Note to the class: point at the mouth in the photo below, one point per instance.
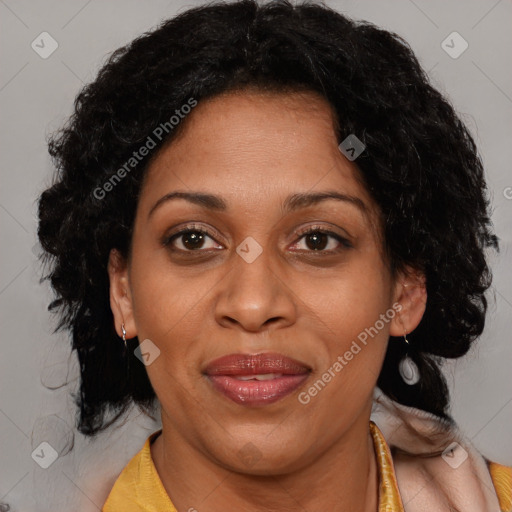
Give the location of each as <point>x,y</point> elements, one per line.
<point>258,379</point>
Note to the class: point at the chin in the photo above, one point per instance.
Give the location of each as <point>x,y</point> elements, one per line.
<point>268,465</point>
<point>256,455</point>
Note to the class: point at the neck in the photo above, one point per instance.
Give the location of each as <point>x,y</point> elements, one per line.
<point>344,478</point>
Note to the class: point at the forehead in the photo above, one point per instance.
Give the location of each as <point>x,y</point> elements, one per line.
<point>252,148</point>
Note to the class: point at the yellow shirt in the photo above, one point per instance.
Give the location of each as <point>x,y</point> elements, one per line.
<point>139,488</point>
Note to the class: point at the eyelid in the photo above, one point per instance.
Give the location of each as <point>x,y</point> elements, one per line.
<point>316,228</point>
<point>300,233</point>
<point>181,230</point>
<point>319,227</point>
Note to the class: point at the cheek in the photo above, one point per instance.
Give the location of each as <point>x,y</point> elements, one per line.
<point>164,300</point>
<point>352,351</point>
<point>349,300</point>
<point>167,310</point>
<point>352,314</point>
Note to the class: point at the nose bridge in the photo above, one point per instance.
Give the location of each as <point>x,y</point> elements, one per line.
<point>253,269</point>
<point>253,293</point>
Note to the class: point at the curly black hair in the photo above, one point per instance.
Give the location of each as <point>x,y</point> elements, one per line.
<point>420,165</point>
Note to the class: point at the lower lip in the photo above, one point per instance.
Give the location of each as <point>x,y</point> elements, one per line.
<point>257,392</point>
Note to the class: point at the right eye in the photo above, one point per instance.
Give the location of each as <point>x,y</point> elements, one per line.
<point>190,239</point>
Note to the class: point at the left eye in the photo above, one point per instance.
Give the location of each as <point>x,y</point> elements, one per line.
<point>318,240</point>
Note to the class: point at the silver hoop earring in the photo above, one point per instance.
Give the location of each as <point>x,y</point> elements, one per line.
<point>124,336</point>
<point>408,369</point>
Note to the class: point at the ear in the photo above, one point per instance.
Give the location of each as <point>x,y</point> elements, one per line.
<point>120,294</point>
<point>411,293</point>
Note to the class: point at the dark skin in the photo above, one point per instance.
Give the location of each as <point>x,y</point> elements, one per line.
<point>200,303</point>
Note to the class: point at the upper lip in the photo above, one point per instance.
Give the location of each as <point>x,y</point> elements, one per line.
<point>254,364</point>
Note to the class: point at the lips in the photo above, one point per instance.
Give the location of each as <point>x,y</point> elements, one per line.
<point>256,379</point>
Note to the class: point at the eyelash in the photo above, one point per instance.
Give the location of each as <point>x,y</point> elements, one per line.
<point>167,241</point>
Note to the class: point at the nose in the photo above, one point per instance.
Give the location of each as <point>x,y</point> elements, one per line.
<point>255,296</point>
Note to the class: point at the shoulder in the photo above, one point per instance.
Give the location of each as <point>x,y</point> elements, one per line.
<point>139,488</point>
<point>124,495</point>
<point>436,467</point>
<point>502,479</point>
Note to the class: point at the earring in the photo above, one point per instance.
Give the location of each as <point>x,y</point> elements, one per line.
<point>124,336</point>
<point>408,369</point>
<point>125,355</point>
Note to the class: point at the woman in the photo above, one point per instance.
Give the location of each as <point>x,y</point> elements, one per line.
<point>267,218</point>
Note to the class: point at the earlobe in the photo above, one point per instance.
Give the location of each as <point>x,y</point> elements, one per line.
<point>120,294</point>
<point>411,294</point>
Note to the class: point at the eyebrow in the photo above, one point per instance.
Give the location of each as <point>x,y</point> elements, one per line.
<point>292,203</point>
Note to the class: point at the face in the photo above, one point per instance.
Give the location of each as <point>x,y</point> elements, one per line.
<point>282,258</point>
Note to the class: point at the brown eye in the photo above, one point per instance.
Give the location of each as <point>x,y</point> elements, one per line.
<point>193,240</point>
<point>321,240</point>
<point>190,240</point>
<point>316,241</point>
